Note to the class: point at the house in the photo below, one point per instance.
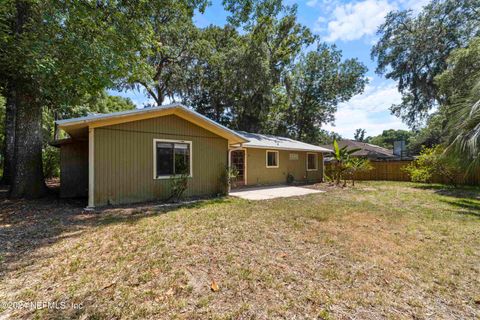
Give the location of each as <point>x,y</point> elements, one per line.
<point>367,150</point>
<point>131,156</point>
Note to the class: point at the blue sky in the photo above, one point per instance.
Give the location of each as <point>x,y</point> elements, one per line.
<point>351,26</point>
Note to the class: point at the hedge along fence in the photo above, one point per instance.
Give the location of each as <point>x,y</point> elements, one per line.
<point>393,171</point>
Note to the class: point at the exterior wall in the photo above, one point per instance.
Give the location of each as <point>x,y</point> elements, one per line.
<point>123,160</point>
<point>74,169</point>
<point>259,174</point>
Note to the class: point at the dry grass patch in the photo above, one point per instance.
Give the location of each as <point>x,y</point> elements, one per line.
<point>379,250</point>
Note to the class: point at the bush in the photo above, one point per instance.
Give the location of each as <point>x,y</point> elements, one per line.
<point>356,165</point>
<point>227,179</point>
<point>290,178</point>
<point>178,186</point>
<point>432,162</point>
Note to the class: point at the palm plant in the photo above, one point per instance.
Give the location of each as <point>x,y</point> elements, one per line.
<point>465,123</point>
<point>356,165</point>
<point>341,157</point>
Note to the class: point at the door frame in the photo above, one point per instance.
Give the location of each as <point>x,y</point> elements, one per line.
<point>244,162</point>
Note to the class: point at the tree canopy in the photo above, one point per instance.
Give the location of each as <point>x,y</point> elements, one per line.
<point>388,137</point>
<point>413,50</point>
<point>256,73</point>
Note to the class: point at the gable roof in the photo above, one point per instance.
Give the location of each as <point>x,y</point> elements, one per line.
<point>367,149</point>
<point>263,141</point>
<point>77,127</point>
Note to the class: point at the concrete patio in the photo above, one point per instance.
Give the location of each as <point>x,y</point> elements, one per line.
<point>272,192</point>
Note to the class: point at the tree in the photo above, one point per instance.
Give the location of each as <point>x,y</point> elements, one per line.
<point>211,86</point>
<point>236,76</point>
<point>325,137</point>
<point>356,165</point>
<point>462,104</point>
<point>341,157</point>
<point>53,53</point>
<point>273,41</point>
<point>413,50</point>
<point>163,71</point>
<point>319,81</point>
<point>359,135</point>
<point>435,132</point>
<point>388,137</point>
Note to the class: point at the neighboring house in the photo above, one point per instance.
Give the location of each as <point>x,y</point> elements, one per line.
<point>367,150</point>
<point>130,156</point>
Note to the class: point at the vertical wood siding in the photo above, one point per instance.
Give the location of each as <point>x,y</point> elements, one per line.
<point>124,160</point>
<point>259,174</point>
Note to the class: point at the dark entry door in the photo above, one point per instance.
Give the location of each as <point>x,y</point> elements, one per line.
<point>238,162</point>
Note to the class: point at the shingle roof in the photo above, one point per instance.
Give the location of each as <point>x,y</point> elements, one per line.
<point>264,141</point>
<point>367,149</point>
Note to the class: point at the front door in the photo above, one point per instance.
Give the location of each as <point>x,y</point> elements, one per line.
<point>238,162</point>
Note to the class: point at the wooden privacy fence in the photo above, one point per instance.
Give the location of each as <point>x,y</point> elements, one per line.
<point>393,171</point>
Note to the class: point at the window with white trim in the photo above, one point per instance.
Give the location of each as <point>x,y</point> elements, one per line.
<point>172,158</point>
<point>312,161</point>
<point>272,159</point>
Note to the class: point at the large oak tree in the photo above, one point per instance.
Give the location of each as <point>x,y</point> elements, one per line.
<point>413,50</point>
<point>53,53</point>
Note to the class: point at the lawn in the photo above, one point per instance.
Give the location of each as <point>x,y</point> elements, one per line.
<point>379,250</point>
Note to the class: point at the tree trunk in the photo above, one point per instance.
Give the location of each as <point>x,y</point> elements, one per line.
<point>9,147</point>
<point>27,179</point>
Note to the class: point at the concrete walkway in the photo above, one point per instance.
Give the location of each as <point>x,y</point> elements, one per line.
<point>264,193</point>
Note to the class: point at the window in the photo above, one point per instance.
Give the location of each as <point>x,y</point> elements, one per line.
<point>272,159</point>
<point>312,161</point>
<point>293,156</point>
<point>172,158</point>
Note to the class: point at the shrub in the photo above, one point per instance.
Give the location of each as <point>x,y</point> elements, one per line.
<point>290,178</point>
<point>341,157</point>
<point>178,186</point>
<point>432,162</point>
<point>356,165</point>
<point>227,178</point>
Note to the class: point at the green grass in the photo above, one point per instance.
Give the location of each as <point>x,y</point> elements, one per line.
<point>379,250</point>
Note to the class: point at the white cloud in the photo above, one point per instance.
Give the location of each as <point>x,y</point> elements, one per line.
<point>312,3</point>
<point>356,20</point>
<point>414,5</point>
<point>369,111</point>
<point>353,21</point>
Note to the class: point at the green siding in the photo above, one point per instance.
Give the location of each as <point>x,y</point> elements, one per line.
<point>259,174</point>
<point>124,160</point>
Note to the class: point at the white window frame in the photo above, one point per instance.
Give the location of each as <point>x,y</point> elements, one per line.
<point>266,159</point>
<point>316,161</point>
<point>155,158</point>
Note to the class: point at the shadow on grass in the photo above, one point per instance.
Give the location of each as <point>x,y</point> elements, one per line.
<point>472,192</point>
<point>467,206</point>
<point>132,213</point>
<point>465,198</point>
<point>28,225</point>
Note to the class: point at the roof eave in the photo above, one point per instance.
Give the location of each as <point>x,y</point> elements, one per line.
<point>230,135</point>
<point>285,148</point>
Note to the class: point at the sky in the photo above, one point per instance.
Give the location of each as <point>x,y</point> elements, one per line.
<point>351,26</point>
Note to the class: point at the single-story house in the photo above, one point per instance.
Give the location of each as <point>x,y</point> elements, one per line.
<point>369,151</point>
<point>130,156</point>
